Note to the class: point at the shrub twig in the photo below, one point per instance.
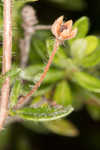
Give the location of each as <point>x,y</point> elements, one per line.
<point>24,100</point>
<point>6,66</point>
<point>29,26</point>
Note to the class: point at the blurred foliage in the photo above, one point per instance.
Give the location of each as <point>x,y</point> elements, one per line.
<point>62,127</point>
<point>69,4</point>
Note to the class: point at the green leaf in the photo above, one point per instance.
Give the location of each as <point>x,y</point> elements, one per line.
<point>78,48</point>
<point>70,66</point>
<point>87,81</point>
<point>33,73</point>
<point>15,92</point>
<point>60,55</point>
<point>91,60</point>
<point>54,75</point>
<point>84,47</point>
<point>77,96</point>
<point>92,43</point>
<point>62,94</point>
<point>41,91</point>
<point>45,113</point>
<point>62,127</point>
<point>30,72</point>
<point>82,26</point>
<point>37,127</point>
<point>94,111</point>
<point>39,53</point>
<point>92,97</point>
<point>13,72</point>
<point>40,48</point>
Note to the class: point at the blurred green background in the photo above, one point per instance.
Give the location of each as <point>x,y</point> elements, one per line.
<point>17,136</point>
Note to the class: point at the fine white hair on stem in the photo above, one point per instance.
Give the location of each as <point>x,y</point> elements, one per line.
<point>6,66</point>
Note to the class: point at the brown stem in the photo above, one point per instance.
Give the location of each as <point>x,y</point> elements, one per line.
<point>7,45</point>
<point>25,42</point>
<point>24,49</point>
<point>29,26</point>
<point>24,100</point>
<point>42,27</point>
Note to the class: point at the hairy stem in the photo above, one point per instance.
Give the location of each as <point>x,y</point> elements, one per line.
<point>24,49</point>
<point>6,66</point>
<point>42,27</point>
<point>29,26</point>
<point>24,43</point>
<point>24,100</point>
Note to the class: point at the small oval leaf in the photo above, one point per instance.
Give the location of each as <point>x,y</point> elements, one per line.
<point>87,81</point>
<point>62,94</point>
<point>92,43</point>
<point>45,113</point>
<point>15,92</point>
<point>33,73</point>
<point>62,127</point>
<point>82,26</point>
<point>94,111</point>
<point>78,48</point>
<point>91,60</point>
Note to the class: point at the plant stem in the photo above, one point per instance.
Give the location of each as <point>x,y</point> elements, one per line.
<point>42,27</point>
<point>24,49</point>
<point>26,41</point>
<point>29,26</point>
<point>6,66</point>
<point>24,100</point>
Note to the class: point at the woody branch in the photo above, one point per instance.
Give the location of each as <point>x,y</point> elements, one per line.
<point>6,66</point>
